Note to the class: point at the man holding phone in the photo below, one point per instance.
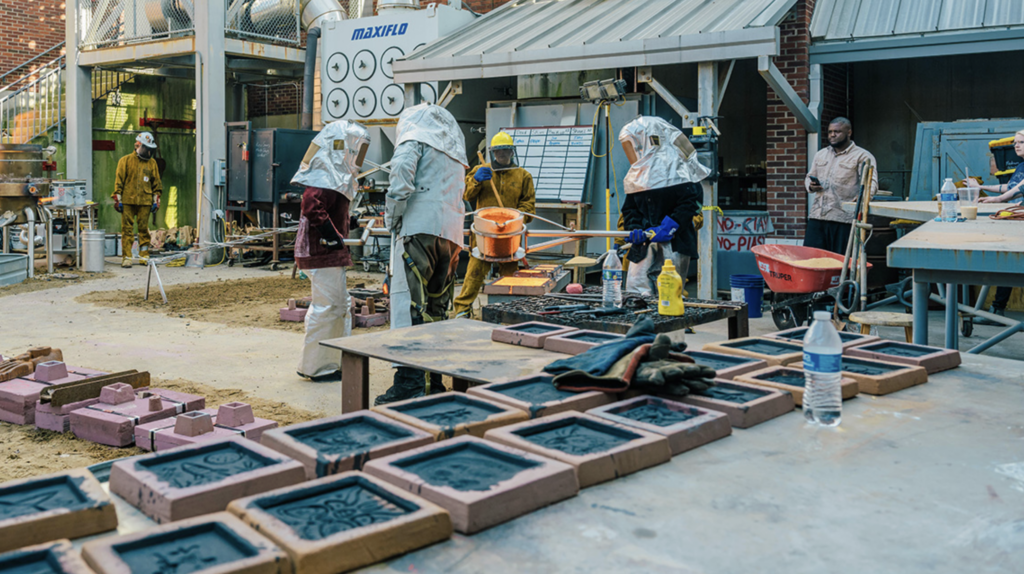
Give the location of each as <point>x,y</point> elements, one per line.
<point>834,179</point>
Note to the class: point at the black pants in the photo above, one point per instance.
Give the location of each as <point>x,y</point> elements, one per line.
<point>1002,298</point>
<point>828,235</point>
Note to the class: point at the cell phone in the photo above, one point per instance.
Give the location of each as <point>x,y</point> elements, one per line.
<point>814,180</point>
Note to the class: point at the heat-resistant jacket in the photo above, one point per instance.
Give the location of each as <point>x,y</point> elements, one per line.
<point>136,180</point>
<point>321,206</point>
<point>425,193</point>
<point>514,185</point>
<point>646,209</point>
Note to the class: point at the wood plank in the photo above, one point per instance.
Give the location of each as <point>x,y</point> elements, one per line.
<point>65,393</point>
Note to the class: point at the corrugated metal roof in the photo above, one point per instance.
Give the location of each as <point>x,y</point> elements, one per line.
<point>528,32</point>
<point>844,20</point>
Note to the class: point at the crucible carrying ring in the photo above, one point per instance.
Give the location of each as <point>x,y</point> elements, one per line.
<point>498,245</point>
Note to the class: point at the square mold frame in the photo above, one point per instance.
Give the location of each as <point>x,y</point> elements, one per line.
<point>224,469</point>
<point>629,449</point>
<point>68,504</point>
<point>848,387</point>
<point>893,376</point>
<point>57,557</point>
<point>574,343</point>
<point>350,520</point>
<point>448,474</point>
<point>221,540</point>
<point>437,414</point>
<point>793,353</point>
<point>529,334</point>
<point>685,426</point>
<point>344,442</point>
<point>933,359</point>
<point>763,403</point>
<point>538,396</point>
<point>736,365</point>
<point>849,340</point>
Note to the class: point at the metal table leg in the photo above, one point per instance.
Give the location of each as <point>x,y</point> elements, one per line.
<point>355,382</point>
<point>739,323</point>
<point>952,333</point>
<point>920,312</point>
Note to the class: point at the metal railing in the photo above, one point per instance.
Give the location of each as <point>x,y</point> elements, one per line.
<point>108,23</point>
<point>34,108</point>
<point>274,21</point>
<point>24,72</point>
<point>117,22</point>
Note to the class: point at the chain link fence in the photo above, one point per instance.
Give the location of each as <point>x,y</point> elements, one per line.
<point>274,21</point>
<point>106,23</point>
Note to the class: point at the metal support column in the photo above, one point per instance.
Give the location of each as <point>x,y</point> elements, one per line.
<point>211,112</point>
<point>707,96</point>
<point>920,312</point>
<point>78,91</point>
<point>952,331</point>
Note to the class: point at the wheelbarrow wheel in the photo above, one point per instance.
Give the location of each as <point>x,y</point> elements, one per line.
<point>784,318</point>
<point>966,326</point>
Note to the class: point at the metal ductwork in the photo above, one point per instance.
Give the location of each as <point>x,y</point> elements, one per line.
<point>316,12</point>
<point>386,6</point>
<point>178,14</point>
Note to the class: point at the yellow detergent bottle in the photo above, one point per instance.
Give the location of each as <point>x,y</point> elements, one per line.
<point>670,291</point>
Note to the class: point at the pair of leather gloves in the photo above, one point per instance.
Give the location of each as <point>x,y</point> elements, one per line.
<point>660,234</point>
<point>659,372</point>
<point>119,207</point>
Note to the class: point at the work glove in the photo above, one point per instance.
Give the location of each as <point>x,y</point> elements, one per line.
<point>660,374</point>
<point>117,203</point>
<point>483,174</point>
<point>156,204</point>
<point>637,237</point>
<point>329,237</point>
<point>664,232</point>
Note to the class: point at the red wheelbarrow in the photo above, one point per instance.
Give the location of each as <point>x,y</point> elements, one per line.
<point>797,283</point>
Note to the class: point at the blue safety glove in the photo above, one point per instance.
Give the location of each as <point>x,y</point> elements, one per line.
<point>664,232</point>
<point>483,174</point>
<point>637,237</point>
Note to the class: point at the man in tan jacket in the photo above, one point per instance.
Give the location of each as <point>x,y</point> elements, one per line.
<point>137,190</point>
<point>834,179</point>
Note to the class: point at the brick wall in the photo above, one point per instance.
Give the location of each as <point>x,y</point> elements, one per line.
<point>483,6</point>
<point>787,139</point>
<point>274,99</point>
<point>28,28</point>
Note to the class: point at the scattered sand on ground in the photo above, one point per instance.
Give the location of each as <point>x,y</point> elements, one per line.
<point>43,281</point>
<point>235,302</point>
<point>27,451</point>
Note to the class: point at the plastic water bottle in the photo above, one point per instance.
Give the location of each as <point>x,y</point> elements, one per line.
<point>823,353</point>
<point>948,199</point>
<point>611,280</point>
<point>135,249</point>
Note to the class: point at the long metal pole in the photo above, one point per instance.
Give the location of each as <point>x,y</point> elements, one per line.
<point>920,312</point>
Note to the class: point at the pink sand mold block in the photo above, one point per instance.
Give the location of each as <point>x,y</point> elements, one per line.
<point>54,373</point>
<point>529,334</point>
<point>538,396</point>
<point>112,420</point>
<point>200,426</point>
<point>686,426</point>
<point>849,340</point>
<point>343,522</point>
<point>727,366</point>
<point>201,478</point>
<point>18,398</point>
<point>57,557</point>
<point>344,442</point>
<point>67,504</point>
<point>746,405</point>
<point>58,419</point>
<point>480,483</point>
<point>214,544</point>
<point>86,372</point>
<point>599,449</point>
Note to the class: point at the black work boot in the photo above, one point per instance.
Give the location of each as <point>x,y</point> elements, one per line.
<point>409,383</point>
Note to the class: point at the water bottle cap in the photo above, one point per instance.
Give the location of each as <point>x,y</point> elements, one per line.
<point>822,316</point>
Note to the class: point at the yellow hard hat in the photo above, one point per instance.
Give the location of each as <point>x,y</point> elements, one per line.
<point>502,141</point>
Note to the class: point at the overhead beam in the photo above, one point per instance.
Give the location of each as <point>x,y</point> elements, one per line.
<point>645,76</point>
<point>261,51</point>
<point>771,74</point>
<point>102,57</point>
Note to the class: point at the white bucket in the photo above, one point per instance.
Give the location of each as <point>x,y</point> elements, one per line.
<point>92,250</point>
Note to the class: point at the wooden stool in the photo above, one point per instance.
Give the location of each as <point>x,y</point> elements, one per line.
<point>868,319</point>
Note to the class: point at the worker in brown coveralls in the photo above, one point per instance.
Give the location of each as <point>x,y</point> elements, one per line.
<point>137,190</point>
<point>515,185</point>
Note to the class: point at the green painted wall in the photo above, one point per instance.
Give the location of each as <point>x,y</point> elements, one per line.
<point>117,120</point>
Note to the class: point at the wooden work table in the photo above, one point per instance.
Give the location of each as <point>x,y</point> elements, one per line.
<point>918,210</point>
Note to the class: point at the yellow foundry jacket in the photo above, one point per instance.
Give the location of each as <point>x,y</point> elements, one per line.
<point>514,185</point>
<point>137,180</point>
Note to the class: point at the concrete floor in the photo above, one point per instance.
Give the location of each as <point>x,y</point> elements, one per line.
<point>929,479</point>
<point>259,361</point>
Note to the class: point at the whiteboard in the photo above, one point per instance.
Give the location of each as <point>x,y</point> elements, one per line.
<point>558,159</point>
